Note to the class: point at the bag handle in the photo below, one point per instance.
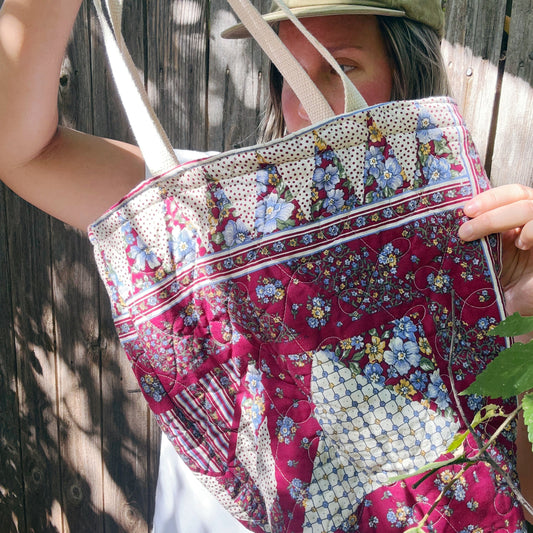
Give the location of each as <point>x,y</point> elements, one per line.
<point>312,100</point>
<point>157,151</point>
<point>153,142</point>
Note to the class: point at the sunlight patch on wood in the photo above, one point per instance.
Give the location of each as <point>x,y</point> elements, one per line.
<point>513,152</point>
<point>473,83</point>
<point>186,12</point>
<point>57,517</point>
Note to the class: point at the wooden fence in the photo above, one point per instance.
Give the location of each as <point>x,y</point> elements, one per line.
<point>78,449</point>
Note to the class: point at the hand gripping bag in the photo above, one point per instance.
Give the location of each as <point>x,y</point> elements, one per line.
<point>296,312</point>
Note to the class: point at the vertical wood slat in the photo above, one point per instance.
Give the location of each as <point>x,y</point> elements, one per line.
<point>30,268</point>
<point>76,312</point>
<point>513,152</point>
<point>176,69</point>
<point>61,470</point>
<point>471,51</point>
<point>238,74</point>
<point>125,431</point>
<point>12,498</point>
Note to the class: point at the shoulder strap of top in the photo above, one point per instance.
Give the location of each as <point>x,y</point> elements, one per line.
<point>155,146</point>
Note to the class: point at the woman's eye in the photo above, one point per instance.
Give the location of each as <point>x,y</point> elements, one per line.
<point>347,68</point>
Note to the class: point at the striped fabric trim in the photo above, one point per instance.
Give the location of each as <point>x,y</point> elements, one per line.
<point>320,226</point>
<point>202,422</point>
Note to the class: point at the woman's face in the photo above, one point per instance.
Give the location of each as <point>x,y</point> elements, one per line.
<point>355,41</point>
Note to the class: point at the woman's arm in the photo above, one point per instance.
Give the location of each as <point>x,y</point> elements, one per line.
<point>70,175</point>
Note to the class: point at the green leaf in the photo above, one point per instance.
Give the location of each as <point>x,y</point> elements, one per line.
<point>344,355</point>
<point>369,181</point>
<point>426,364</point>
<point>358,356</point>
<point>430,467</point>
<point>423,157</point>
<point>284,192</point>
<point>441,148</point>
<point>284,224</point>
<point>513,325</point>
<point>355,369</point>
<point>218,237</point>
<point>527,404</point>
<point>457,441</point>
<point>489,411</point>
<point>416,529</point>
<point>511,373</point>
<point>368,198</point>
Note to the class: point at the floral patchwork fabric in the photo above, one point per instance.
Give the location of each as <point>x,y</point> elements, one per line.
<point>297,314</point>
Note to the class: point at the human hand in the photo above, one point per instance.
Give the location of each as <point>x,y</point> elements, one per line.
<point>507,210</point>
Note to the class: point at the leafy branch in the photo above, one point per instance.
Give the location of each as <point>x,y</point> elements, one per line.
<point>510,374</point>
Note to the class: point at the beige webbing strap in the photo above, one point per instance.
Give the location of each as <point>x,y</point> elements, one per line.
<point>290,69</point>
<point>353,100</point>
<point>153,142</point>
<point>155,146</point>
<point>312,100</point>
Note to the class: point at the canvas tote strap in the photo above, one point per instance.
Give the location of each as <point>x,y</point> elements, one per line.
<point>290,69</point>
<point>153,142</point>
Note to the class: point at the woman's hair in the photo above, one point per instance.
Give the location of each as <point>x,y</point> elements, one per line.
<point>417,70</point>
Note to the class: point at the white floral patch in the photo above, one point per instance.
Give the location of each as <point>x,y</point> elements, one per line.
<point>254,446</point>
<point>369,434</point>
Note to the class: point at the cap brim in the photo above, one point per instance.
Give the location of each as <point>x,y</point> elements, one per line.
<point>240,32</point>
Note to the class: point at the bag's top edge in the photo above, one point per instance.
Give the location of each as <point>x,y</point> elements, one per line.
<point>309,130</point>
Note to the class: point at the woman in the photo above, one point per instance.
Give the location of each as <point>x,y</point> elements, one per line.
<point>77,177</point>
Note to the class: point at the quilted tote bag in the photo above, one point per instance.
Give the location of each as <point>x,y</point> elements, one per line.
<point>295,313</point>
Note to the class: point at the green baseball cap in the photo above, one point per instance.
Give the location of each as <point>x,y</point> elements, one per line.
<point>427,12</point>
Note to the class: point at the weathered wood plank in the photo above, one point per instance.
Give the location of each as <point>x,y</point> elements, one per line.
<point>29,436</point>
<point>176,69</point>
<point>78,380</point>
<point>238,82</point>
<point>513,153</point>
<point>12,495</point>
<point>12,511</point>
<point>28,237</point>
<point>55,329</point>
<point>471,50</point>
<point>75,288</point>
<point>125,428</point>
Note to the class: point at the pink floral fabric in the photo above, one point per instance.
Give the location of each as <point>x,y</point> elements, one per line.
<point>289,312</point>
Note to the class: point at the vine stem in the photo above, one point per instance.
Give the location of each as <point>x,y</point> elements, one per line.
<point>443,492</point>
<point>497,433</point>
<point>482,453</point>
<point>455,394</point>
<point>510,482</point>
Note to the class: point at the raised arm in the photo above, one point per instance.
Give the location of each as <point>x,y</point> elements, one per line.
<point>73,176</point>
